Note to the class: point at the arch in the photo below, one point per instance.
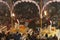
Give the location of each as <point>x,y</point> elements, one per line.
<point>5,12</point>
<point>49,3</point>
<point>30,1</point>
<point>5,4</point>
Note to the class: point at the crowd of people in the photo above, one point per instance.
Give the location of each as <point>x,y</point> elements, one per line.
<point>31,17</point>
<point>19,36</point>
<point>30,34</point>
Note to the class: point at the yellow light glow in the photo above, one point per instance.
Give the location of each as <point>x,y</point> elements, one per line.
<point>12,15</point>
<point>45,13</point>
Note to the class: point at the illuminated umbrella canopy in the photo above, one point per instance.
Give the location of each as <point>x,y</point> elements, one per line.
<point>27,10</point>
<point>24,9</point>
<point>51,11</point>
<point>4,13</point>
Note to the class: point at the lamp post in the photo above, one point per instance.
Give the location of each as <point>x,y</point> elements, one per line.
<point>12,17</point>
<point>40,17</point>
<point>41,12</point>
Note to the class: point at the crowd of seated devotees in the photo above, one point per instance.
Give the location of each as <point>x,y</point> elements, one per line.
<point>18,36</point>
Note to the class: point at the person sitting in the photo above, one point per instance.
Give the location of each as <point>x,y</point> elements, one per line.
<point>17,36</point>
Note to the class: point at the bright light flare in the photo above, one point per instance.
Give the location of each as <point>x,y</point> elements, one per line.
<point>12,15</point>
<point>45,13</point>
